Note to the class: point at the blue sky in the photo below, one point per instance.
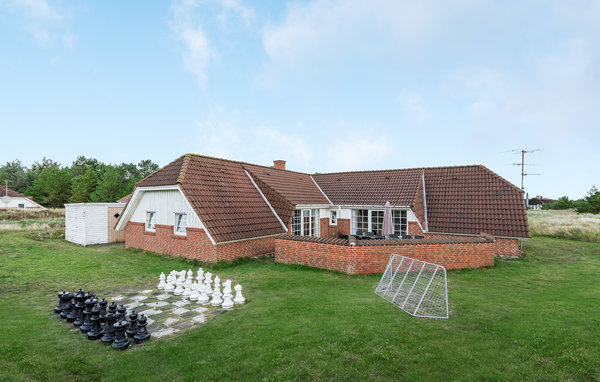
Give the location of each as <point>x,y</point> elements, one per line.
<point>325,85</point>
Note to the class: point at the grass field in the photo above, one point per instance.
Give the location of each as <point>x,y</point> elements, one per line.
<point>537,318</point>
<point>28,220</point>
<point>564,224</point>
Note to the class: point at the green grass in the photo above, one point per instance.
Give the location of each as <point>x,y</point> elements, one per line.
<point>564,224</point>
<point>537,318</point>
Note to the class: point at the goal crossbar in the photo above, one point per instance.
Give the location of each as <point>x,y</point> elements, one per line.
<point>415,286</point>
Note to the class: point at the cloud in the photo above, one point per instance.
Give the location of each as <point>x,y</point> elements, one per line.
<point>356,150</point>
<point>39,9</point>
<point>236,8</point>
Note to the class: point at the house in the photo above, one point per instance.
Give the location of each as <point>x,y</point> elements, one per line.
<point>216,209</point>
<point>93,223</point>
<point>14,199</point>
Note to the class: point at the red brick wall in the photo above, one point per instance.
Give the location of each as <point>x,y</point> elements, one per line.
<point>373,258</point>
<point>503,246</point>
<point>414,229</point>
<point>194,245</point>
<point>327,230</point>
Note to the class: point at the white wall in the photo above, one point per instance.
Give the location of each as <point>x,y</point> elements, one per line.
<point>87,223</point>
<point>14,203</point>
<point>166,203</point>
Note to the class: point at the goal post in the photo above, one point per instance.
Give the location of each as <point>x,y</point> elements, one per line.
<point>415,286</point>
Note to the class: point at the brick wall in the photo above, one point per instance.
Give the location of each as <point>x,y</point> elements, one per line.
<point>194,245</point>
<point>502,246</point>
<point>365,259</point>
<point>327,230</point>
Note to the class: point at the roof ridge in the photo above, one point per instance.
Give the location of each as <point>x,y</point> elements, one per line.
<point>501,178</point>
<point>396,169</point>
<point>245,163</point>
<point>149,175</point>
<point>184,167</point>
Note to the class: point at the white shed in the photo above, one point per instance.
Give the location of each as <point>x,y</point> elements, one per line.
<point>93,223</point>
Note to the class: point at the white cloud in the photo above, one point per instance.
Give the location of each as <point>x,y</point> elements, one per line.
<point>357,150</point>
<point>414,107</point>
<point>39,9</point>
<point>237,8</point>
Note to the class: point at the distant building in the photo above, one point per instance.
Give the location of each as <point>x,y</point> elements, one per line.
<point>537,202</point>
<point>13,199</point>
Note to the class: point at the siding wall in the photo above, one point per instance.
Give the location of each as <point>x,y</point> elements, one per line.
<point>88,223</point>
<point>165,203</point>
<point>75,223</point>
<point>14,203</point>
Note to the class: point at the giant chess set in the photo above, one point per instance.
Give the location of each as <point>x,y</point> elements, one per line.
<point>112,325</point>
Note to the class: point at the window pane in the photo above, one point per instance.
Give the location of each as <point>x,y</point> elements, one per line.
<point>400,222</point>
<point>377,222</point>
<point>296,223</point>
<point>362,220</point>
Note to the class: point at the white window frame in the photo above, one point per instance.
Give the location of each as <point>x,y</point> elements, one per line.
<point>21,205</point>
<point>176,227</point>
<point>333,217</point>
<point>150,219</point>
<point>309,228</point>
<point>354,221</point>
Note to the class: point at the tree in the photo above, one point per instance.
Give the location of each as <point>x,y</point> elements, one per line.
<point>591,203</point>
<point>82,164</point>
<point>37,168</point>
<point>16,174</point>
<point>145,168</point>
<point>561,204</point>
<point>52,187</point>
<point>112,185</point>
<point>83,186</point>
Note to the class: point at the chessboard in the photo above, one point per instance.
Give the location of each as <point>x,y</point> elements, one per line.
<point>167,314</point>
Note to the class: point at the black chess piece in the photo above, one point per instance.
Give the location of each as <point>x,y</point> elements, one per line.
<point>80,305</point>
<point>121,340</point>
<point>133,328</point>
<point>142,334</point>
<point>102,304</point>
<point>87,314</point>
<point>67,305</point>
<point>59,307</point>
<point>109,330</point>
<point>122,311</point>
<point>96,331</point>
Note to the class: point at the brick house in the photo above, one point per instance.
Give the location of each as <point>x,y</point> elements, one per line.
<point>213,209</point>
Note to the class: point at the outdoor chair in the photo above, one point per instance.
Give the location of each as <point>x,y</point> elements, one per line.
<point>370,234</point>
<point>359,233</point>
<point>406,237</point>
<point>394,236</point>
<point>419,237</point>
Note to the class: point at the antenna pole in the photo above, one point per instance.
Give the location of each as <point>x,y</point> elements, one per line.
<point>522,168</point>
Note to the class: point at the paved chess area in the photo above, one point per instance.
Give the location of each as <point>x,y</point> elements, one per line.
<point>167,314</point>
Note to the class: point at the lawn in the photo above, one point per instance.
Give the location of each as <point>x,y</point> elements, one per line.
<point>537,318</point>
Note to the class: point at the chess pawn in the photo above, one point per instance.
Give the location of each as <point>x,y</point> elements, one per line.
<point>208,289</point>
<point>200,276</point>
<point>216,297</point>
<point>187,291</point>
<point>58,307</point>
<point>179,289</point>
<point>203,298</point>
<point>133,328</point>
<point>227,302</point>
<point>217,281</point>
<point>208,278</point>
<point>72,316</point>
<point>87,314</point>
<point>161,284</point>
<point>109,330</point>
<point>121,341</point>
<point>102,304</point>
<point>189,281</point>
<point>142,334</point>
<point>239,299</point>
<point>96,331</point>
<point>170,286</point>
<point>195,292</point>
<point>80,305</point>
<point>190,274</point>
<point>67,305</point>
<point>122,313</point>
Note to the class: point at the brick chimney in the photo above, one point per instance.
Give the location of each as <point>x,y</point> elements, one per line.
<point>280,164</point>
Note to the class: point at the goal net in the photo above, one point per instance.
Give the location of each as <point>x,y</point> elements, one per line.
<point>417,287</point>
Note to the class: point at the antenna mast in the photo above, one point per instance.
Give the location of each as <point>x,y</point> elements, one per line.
<point>523,164</point>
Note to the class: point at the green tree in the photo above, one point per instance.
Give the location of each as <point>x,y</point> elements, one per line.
<point>112,185</point>
<point>82,164</point>
<point>16,174</point>
<point>145,168</point>
<point>52,187</point>
<point>83,186</point>
<point>591,203</point>
<point>561,204</point>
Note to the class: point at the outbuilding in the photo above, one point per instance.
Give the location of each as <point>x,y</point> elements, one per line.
<point>93,223</point>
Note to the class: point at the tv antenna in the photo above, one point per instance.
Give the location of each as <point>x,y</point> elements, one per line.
<point>523,151</point>
<point>6,198</point>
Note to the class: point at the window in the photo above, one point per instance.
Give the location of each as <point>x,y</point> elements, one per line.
<point>333,217</point>
<point>305,222</point>
<point>400,222</point>
<point>372,221</point>
<point>21,205</point>
<point>150,220</point>
<point>180,223</point>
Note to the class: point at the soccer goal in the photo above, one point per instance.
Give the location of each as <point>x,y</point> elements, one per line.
<point>417,287</point>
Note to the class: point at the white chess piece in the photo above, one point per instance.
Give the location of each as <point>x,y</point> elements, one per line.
<point>170,286</point>
<point>207,289</point>
<point>239,299</point>
<point>187,291</point>
<point>179,288</point>
<point>216,297</point>
<point>190,274</point>
<point>227,289</point>
<point>200,276</point>
<point>227,302</point>
<point>203,298</point>
<point>208,278</point>
<point>161,284</point>
<point>195,292</point>
<point>189,281</point>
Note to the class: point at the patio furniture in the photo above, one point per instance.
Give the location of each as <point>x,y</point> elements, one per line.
<point>419,237</point>
<point>359,233</point>
<point>394,236</point>
<point>406,237</point>
<point>370,234</point>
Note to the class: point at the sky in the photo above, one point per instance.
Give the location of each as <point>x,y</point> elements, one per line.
<point>325,85</point>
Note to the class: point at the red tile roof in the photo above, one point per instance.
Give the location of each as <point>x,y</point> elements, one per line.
<point>125,198</point>
<point>462,199</point>
<point>11,193</point>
